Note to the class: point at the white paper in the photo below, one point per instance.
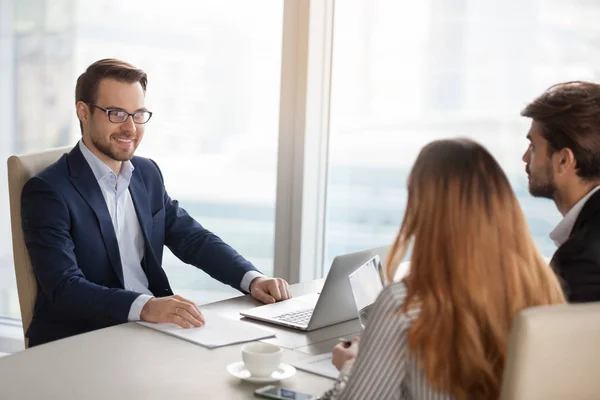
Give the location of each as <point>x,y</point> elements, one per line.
<point>217,332</point>
<point>318,365</point>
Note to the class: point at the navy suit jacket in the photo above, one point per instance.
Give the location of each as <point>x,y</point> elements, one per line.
<point>73,247</point>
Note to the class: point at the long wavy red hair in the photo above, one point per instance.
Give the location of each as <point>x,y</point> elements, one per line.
<point>474,267</point>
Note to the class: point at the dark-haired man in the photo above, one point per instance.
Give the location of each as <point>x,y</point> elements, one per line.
<point>96,222</point>
<point>563,164</point>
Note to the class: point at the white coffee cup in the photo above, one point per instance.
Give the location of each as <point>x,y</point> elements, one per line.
<point>261,359</point>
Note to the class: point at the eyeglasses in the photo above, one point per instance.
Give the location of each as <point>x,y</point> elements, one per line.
<point>118,116</point>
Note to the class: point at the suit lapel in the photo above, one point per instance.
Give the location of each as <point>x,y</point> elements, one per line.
<point>141,203</point>
<point>84,181</point>
<point>591,207</point>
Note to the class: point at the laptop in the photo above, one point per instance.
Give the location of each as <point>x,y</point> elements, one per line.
<point>333,305</point>
<point>366,285</point>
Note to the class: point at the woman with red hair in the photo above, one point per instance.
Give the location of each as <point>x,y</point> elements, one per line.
<point>442,332</point>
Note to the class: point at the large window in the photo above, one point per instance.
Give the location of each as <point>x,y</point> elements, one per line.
<point>407,72</point>
<point>214,77</point>
<point>404,73</point>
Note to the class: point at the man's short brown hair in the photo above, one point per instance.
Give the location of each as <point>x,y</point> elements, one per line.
<point>86,89</point>
<point>569,116</point>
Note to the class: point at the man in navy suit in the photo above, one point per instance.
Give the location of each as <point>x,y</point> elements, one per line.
<point>96,221</point>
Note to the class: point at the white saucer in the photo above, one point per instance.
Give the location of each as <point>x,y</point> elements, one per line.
<point>238,369</point>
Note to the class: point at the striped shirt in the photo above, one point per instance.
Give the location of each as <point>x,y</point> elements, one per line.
<point>385,369</point>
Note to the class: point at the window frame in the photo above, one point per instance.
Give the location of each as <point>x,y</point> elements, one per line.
<point>303,146</point>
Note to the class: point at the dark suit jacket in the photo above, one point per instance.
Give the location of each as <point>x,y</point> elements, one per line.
<point>71,240</point>
<point>577,261</point>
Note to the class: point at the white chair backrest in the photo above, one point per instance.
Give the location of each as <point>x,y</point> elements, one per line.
<point>554,353</point>
<point>20,169</point>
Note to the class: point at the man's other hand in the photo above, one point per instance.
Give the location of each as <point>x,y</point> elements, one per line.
<point>270,290</point>
<point>173,309</point>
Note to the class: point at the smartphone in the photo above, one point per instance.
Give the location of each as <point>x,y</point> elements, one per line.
<point>274,392</point>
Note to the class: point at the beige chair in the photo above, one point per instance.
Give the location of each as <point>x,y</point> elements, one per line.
<point>20,169</point>
<point>554,353</point>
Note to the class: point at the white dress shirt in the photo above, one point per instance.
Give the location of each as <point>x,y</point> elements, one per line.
<point>561,233</point>
<point>128,231</point>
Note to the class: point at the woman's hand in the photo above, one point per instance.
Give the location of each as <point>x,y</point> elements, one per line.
<point>343,353</point>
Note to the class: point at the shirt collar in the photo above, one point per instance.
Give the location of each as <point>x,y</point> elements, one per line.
<point>100,169</point>
<point>561,233</point>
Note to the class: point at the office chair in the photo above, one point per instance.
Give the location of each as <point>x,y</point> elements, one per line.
<point>20,169</point>
<point>553,354</point>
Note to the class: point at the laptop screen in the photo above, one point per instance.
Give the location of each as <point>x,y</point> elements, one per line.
<point>366,285</point>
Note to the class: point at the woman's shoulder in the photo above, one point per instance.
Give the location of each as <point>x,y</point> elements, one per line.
<point>392,299</point>
<point>394,293</point>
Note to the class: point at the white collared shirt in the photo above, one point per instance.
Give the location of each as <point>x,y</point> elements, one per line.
<point>561,233</point>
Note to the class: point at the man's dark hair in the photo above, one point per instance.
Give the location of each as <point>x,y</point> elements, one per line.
<point>86,89</point>
<point>569,116</point>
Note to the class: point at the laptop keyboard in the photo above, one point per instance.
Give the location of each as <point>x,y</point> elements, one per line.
<point>300,317</point>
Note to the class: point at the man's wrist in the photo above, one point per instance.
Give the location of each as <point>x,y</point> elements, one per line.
<point>248,278</point>
<point>255,280</point>
<point>138,306</point>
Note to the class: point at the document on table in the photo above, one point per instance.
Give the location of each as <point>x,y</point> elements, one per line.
<point>217,332</point>
<point>318,365</point>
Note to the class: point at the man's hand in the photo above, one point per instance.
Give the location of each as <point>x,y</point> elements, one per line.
<point>270,290</point>
<point>173,309</point>
<point>342,354</point>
